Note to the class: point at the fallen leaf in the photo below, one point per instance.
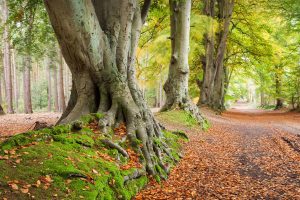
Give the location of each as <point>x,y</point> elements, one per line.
<point>95,171</point>
<point>24,190</point>
<point>14,186</point>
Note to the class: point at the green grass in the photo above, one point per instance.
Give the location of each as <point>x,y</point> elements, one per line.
<point>183,118</point>
<point>71,160</point>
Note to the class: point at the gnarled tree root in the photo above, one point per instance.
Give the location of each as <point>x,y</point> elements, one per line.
<point>113,145</point>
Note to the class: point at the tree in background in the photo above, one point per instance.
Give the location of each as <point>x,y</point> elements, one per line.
<point>176,86</point>
<point>6,60</point>
<point>212,86</point>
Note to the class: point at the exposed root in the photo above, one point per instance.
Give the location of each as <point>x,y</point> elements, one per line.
<point>181,134</point>
<point>136,174</point>
<point>113,145</point>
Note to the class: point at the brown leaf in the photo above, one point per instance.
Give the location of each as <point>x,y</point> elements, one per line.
<point>14,186</point>
<point>24,190</point>
<point>95,171</point>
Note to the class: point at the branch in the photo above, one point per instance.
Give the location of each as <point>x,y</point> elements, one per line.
<point>145,10</point>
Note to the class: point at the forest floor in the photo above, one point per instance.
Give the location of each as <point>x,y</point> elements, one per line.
<point>18,123</point>
<point>246,154</point>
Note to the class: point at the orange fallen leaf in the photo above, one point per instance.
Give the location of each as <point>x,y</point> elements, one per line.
<point>14,186</point>
<point>24,190</point>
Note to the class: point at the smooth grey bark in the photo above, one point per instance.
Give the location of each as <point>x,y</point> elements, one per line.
<point>213,85</point>
<point>27,85</point>
<point>98,40</point>
<point>206,85</point>
<point>176,86</point>
<point>7,62</point>
<point>225,13</point>
<point>61,93</point>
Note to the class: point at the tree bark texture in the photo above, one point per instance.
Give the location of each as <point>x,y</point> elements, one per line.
<point>48,69</point>
<point>206,86</point>
<point>61,93</point>
<point>98,40</point>
<point>7,62</point>
<point>176,86</point>
<point>27,85</point>
<point>213,89</point>
<point>55,90</point>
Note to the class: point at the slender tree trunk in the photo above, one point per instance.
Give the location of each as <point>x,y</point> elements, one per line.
<point>99,40</point>
<point>176,86</point>
<point>278,87</point>
<point>15,75</point>
<point>48,69</point>
<point>7,62</point>
<point>27,85</point>
<point>206,86</point>
<point>55,91</point>
<point>61,94</point>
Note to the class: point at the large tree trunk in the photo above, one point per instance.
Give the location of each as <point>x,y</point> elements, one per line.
<point>27,85</point>
<point>206,86</point>
<point>7,62</point>
<point>98,40</point>
<point>61,94</point>
<point>176,86</point>
<point>213,89</point>
<point>225,13</point>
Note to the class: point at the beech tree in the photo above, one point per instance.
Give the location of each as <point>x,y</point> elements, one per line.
<point>176,86</point>
<point>98,40</point>
<point>7,61</point>
<point>212,85</point>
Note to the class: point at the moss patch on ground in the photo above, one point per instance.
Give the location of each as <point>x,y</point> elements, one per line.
<point>183,118</point>
<point>57,163</point>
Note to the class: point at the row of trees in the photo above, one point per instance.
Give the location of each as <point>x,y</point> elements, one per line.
<point>34,75</point>
<point>231,42</point>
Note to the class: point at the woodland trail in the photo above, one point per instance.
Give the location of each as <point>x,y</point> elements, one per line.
<point>244,155</point>
<point>11,124</point>
<point>249,154</point>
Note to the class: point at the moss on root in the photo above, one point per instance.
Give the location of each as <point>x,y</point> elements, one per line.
<point>78,164</point>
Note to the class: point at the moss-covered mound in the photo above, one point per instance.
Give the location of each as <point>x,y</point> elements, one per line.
<point>73,162</point>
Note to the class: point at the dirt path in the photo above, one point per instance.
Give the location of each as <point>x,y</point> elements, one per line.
<point>18,123</point>
<point>245,155</point>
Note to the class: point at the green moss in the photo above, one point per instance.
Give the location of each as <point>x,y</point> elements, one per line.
<point>183,118</point>
<point>178,116</point>
<point>72,162</point>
